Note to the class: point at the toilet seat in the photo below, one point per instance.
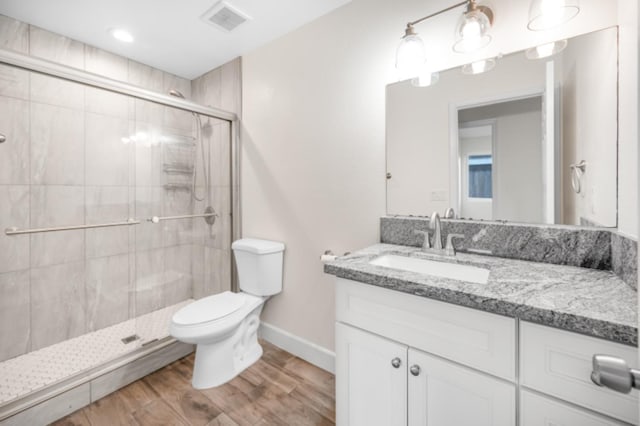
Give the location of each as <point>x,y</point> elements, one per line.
<point>211,308</point>
<point>213,325</point>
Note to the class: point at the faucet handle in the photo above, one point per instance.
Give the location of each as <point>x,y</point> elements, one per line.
<point>449,249</point>
<point>425,244</point>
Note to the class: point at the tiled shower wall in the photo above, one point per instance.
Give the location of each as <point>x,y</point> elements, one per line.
<point>67,161</point>
<point>219,88</point>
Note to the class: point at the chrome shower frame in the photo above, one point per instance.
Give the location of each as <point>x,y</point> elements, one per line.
<point>48,68</point>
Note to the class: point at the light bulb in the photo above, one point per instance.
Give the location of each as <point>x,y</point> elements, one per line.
<point>472,30</point>
<point>552,12</point>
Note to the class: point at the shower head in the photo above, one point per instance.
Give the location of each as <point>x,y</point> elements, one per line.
<point>176,93</point>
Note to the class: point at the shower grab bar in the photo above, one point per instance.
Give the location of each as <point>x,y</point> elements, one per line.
<point>16,231</point>
<point>156,219</point>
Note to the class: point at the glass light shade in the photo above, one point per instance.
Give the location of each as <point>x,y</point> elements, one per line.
<point>411,57</point>
<point>546,50</point>
<point>547,14</point>
<point>478,67</point>
<point>425,79</point>
<point>472,31</point>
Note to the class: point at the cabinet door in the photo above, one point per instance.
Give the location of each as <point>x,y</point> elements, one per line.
<point>447,394</point>
<point>537,410</point>
<point>370,390</point>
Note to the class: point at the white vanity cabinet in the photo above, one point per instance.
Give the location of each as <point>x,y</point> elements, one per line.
<point>390,368</point>
<point>407,360</point>
<point>381,382</point>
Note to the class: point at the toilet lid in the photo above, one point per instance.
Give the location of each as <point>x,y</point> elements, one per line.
<point>209,308</point>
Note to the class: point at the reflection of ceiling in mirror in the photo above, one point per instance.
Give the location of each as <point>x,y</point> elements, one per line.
<point>420,131</point>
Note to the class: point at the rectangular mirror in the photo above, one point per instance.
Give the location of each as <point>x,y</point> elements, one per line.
<point>528,141</point>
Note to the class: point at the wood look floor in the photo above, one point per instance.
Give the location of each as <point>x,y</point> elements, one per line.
<point>279,389</point>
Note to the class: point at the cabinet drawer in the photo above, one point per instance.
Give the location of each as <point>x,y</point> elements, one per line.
<point>537,410</point>
<point>473,338</point>
<point>559,363</point>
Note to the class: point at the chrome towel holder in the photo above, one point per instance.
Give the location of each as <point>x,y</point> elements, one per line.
<point>577,170</point>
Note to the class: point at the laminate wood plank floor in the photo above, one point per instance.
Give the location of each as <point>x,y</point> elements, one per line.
<point>279,389</point>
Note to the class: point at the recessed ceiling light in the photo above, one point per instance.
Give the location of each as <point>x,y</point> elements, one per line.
<point>122,35</point>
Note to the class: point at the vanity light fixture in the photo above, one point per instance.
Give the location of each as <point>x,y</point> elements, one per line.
<point>471,34</point>
<point>411,56</point>
<point>478,67</point>
<point>547,14</point>
<point>472,31</point>
<point>546,50</point>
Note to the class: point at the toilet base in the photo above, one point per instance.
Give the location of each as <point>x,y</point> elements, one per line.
<point>219,362</point>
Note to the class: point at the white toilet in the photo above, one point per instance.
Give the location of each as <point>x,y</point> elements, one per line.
<point>225,326</point>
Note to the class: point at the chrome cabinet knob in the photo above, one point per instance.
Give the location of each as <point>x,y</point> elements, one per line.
<point>415,370</point>
<point>396,362</point>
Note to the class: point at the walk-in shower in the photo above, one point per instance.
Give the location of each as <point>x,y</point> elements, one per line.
<point>102,236</point>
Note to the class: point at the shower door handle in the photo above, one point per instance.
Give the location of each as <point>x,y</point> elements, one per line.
<point>3,138</point>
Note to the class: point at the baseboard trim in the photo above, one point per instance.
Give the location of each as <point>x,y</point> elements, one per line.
<point>310,352</point>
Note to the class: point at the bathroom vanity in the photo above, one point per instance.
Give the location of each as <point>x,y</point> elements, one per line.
<point>414,348</point>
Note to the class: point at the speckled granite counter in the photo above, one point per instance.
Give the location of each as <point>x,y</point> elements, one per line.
<point>587,301</point>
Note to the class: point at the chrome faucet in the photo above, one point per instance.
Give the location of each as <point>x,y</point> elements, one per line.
<point>434,224</point>
<point>435,245</point>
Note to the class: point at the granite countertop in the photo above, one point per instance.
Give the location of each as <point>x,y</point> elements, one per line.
<point>582,300</point>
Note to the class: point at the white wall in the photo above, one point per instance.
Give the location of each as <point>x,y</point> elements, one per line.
<point>589,131</point>
<point>313,157</point>
<point>628,119</point>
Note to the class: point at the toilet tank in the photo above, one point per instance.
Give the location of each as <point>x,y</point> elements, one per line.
<point>259,265</point>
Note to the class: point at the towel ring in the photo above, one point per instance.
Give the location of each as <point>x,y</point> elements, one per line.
<point>577,170</point>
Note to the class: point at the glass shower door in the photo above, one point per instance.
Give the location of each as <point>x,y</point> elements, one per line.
<point>179,157</point>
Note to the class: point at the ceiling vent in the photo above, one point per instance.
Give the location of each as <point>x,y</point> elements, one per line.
<point>225,16</point>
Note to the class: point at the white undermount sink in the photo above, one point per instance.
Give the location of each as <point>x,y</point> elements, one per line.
<point>453,271</point>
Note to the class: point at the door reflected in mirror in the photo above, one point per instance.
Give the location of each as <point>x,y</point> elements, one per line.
<point>504,145</point>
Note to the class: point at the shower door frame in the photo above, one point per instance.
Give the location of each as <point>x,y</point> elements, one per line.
<point>42,66</point>
<point>48,68</point>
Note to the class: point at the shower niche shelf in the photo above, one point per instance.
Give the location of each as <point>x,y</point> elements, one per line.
<point>178,168</point>
<point>177,187</point>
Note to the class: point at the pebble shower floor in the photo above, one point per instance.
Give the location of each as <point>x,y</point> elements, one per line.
<point>36,370</point>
